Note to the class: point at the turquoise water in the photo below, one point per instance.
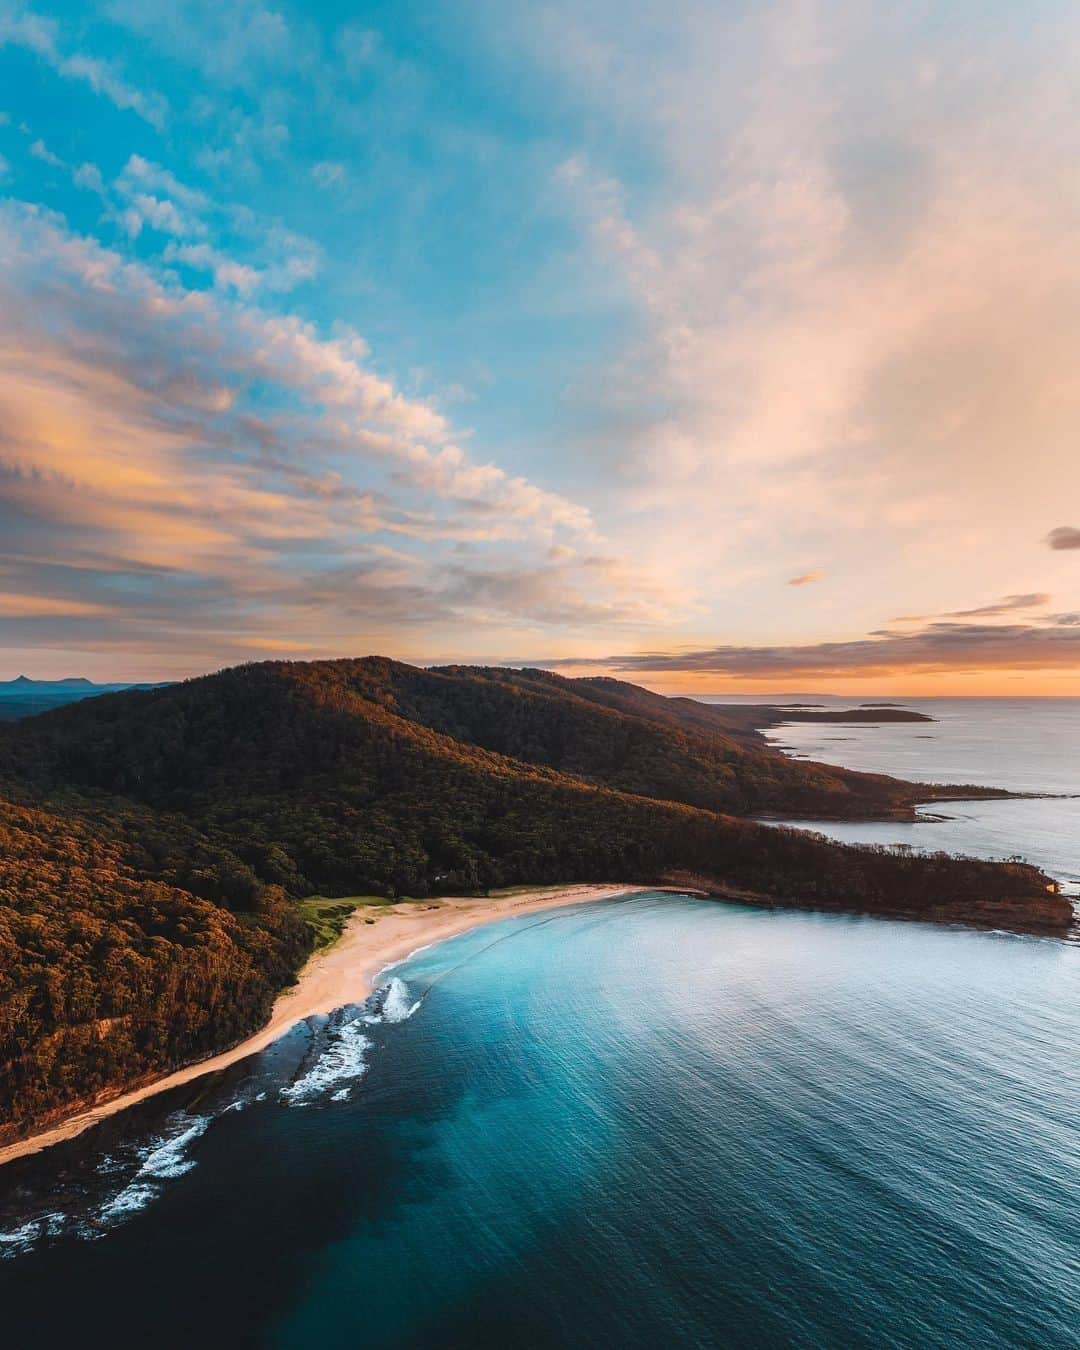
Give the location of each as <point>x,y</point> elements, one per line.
<point>650,1121</point>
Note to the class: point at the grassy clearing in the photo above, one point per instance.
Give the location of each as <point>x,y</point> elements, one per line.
<point>502,891</point>
<point>327,917</point>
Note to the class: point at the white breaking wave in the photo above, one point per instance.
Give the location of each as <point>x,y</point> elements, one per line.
<point>404,960</point>
<point>393,1002</point>
<point>243,1102</point>
<point>164,1161</point>
<point>335,1070</point>
<point>26,1237</point>
<point>131,1200</point>
<point>160,1160</point>
<point>167,1160</point>
<point>342,1062</point>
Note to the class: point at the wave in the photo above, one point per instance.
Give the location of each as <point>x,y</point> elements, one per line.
<point>340,1060</point>
<point>164,1160</point>
<point>89,1213</point>
<point>400,961</point>
<point>17,1241</point>
<point>391,1002</point>
<point>127,1178</point>
<point>340,1064</point>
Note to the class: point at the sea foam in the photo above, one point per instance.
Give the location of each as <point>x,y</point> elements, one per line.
<point>341,1062</point>
<point>164,1159</point>
<point>391,1002</point>
<point>25,1238</point>
<point>134,1177</point>
<point>89,1213</point>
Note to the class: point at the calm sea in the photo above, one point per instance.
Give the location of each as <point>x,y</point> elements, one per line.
<point>653,1121</point>
<point>1025,745</point>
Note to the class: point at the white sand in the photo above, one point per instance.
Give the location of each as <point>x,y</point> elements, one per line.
<point>335,976</point>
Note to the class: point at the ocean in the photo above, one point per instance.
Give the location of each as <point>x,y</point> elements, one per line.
<point>647,1121</point>
<point>1023,745</point>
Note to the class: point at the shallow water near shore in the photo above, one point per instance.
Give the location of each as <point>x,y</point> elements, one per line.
<point>639,1121</point>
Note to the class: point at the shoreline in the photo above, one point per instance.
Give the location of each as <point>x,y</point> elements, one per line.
<point>346,971</point>
<point>339,974</point>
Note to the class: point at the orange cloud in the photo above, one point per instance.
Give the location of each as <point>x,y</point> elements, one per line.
<point>940,647</point>
<point>144,480</point>
<point>27,606</point>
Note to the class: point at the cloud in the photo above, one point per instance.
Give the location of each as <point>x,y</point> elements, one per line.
<point>1064,537</point>
<point>830,290</point>
<point>806,578</point>
<point>159,215</point>
<point>20,27</point>
<point>89,176</point>
<point>20,605</point>
<point>1008,604</point>
<point>151,196</point>
<point>939,648</point>
<point>175,465</point>
<point>141,174</point>
<point>562,592</point>
<point>41,151</point>
<point>103,80</point>
<point>328,174</point>
<point>135,325</point>
<point>244,44</point>
<point>226,272</point>
<point>763,287</point>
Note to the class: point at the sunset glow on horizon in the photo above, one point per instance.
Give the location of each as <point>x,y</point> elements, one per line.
<point>715,347</point>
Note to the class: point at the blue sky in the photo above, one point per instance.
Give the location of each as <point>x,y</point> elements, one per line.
<point>419,179</point>
<point>740,336</point>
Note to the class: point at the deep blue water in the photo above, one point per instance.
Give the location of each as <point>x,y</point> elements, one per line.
<point>647,1122</point>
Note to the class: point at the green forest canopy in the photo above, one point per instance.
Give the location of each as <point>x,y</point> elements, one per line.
<point>153,843</point>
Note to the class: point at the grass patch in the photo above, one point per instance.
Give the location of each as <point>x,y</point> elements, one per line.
<point>327,917</point>
<point>501,892</point>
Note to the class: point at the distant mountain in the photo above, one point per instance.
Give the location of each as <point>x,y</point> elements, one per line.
<point>24,697</point>
<point>153,842</point>
<point>22,683</point>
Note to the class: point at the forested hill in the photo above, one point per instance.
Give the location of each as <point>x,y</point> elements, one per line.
<point>602,730</point>
<point>153,843</point>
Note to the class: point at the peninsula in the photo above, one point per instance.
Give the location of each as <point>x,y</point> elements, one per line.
<point>156,845</point>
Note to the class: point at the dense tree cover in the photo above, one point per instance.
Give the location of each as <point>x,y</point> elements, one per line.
<point>631,739</point>
<point>151,841</point>
<point>107,976</point>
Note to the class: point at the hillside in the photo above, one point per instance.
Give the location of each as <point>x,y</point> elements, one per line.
<point>151,841</point>
<point>628,738</point>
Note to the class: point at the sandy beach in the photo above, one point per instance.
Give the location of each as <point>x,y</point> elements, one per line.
<point>340,974</point>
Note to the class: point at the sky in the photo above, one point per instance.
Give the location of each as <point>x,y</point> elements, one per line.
<point>716,346</point>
